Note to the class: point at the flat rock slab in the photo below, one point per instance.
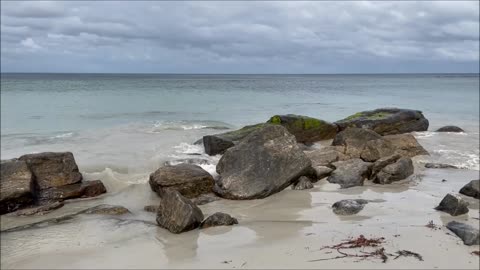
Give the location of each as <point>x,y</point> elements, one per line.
<point>16,185</point>
<point>350,173</point>
<point>177,213</point>
<point>453,204</point>
<point>188,179</point>
<point>348,207</point>
<point>468,234</point>
<point>218,219</point>
<point>471,189</point>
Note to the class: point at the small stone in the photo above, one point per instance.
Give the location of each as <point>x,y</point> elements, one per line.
<point>218,219</point>
<point>450,129</point>
<point>348,207</point>
<point>177,213</point>
<point>468,234</point>
<point>453,204</point>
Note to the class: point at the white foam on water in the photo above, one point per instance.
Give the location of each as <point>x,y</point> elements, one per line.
<point>63,135</point>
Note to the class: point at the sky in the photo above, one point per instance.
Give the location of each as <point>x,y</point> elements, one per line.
<point>240,37</point>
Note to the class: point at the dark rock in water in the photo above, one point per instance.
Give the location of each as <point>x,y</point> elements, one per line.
<point>218,219</point>
<point>453,204</point>
<point>350,173</point>
<point>471,189</point>
<point>53,169</point>
<point>205,198</point>
<point>439,166</point>
<point>105,209</point>
<point>39,210</point>
<point>326,156</point>
<point>354,140</point>
<point>348,207</point>
<point>397,171</point>
<point>382,162</point>
<point>387,121</point>
<point>193,161</point>
<point>450,129</point>
<point>151,208</point>
<point>16,186</point>
<point>190,180</point>
<point>302,183</point>
<point>469,235</point>
<point>219,143</point>
<point>404,144</point>
<point>177,213</point>
<point>322,171</point>
<point>263,163</point>
<point>305,129</point>
<point>85,189</point>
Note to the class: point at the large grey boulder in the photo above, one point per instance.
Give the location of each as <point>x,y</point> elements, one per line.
<point>453,204</point>
<point>471,189</point>
<point>387,121</point>
<point>348,207</point>
<point>16,185</point>
<point>468,234</point>
<point>305,129</point>
<point>263,163</point>
<point>188,179</point>
<point>219,143</point>
<point>53,169</point>
<point>177,213</point>
<point>218,219</point>
<point>397,171</point>
<point>350,173</point>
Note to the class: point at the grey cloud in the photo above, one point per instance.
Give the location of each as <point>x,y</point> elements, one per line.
<point>241,36</point>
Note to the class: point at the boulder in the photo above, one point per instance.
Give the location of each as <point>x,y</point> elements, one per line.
<point>106,209</point>
<point>350,173</point>
<point>382,162</point>
<point>450,129</point>
<point>453,204</point>
<point>348,207</point>
<point>404,144</point>
<point>16,186</point>
<point>53,169</point>
<point>439,166</point>
<point>263,163</point>
<point>305,129</point>
<point>397,171</point>
<point>85,189</point>
<point>326,156</point>
<point>387,121</point>
<point>469,235</point>
<point>190,180</point>
<point>177,213</point>
<point>218,219</point>
<point>302,183</point>
<point>39,210</point>
<point>219,143</point>
<point>321,172</point>
<point>471,189</point>
<point>354,140</point>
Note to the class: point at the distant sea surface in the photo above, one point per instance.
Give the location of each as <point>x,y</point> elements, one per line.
<point>123,126</point>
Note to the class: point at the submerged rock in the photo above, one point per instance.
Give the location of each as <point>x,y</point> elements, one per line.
<point>348,207</point>
<point>387,121</point>
<point>263,163</point>
<point>177,213</point>
<point>219,143</point>
<point>218,219</point>
<point>450,129</point>
<point>305,129</point>
<point>190,180</point>
<point>397,171</point>
<point>16,186</point>
<point>469,235</point>
<point>106,209</point>
<point>53,169</point>
<point>439,166</point>
<point>453,204</point>
<point>350,173</point>
<point>302,183</point>
<point>84,189</point>
<point>205,198</point>
<point>39,210</point>
<point>472,189</point>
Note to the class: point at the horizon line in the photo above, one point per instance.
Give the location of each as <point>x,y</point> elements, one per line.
<point>171,73</point>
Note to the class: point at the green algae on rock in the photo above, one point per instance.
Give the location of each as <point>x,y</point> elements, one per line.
<point>305,129</point>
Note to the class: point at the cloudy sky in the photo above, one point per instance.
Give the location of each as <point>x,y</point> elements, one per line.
<point>240,37</point>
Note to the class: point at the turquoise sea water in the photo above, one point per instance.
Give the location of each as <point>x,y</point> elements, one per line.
<point>132,123</point>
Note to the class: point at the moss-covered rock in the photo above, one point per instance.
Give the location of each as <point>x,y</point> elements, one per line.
<point>305,129</point>
<point>386,121</point>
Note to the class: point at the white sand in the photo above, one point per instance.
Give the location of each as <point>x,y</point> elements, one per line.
<point>282,231</point>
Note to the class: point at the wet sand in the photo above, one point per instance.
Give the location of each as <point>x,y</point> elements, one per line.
<point>285,230</point>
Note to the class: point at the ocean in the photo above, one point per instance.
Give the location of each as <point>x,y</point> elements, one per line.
<point>122,127</point>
